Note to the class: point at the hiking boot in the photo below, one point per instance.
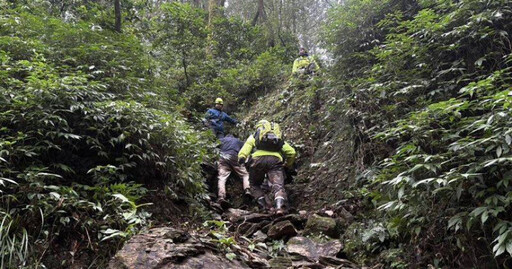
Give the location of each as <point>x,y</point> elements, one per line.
<point>247,197</point>
<point>223,203</point>
<point>262,205</point>
<point>280,210</point>
<point>247,194</point>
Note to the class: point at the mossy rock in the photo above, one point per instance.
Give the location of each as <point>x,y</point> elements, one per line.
<point>317,224</point>
<point>280,262</point>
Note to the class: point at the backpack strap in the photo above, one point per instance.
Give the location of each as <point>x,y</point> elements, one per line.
<point>257,135</point>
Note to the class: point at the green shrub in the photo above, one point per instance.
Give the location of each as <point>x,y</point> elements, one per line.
<point>227,58</point>
<point>77,155</point>
<point>429,96</point>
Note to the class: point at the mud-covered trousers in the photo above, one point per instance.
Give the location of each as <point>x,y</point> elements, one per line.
<point>273,167</point>
<point>228,164</point>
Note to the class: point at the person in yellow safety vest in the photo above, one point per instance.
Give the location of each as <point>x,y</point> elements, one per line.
<point>268,161</point>
<point>304,65</point>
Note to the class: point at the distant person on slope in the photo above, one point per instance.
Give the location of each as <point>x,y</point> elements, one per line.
<point>304,65</point>
<point>215,118</point>
<point>229,148</point>
<point>267,159</point>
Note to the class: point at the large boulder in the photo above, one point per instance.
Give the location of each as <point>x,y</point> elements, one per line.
<point>312,251</point>
<point>303,247</point>
<point>280,263</point>
<point>317,224</point>
<point>168,248</point>
<point>282,230</point>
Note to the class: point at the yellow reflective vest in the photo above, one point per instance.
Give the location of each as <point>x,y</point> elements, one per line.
<point>288,151</point>
<point>302,63</point>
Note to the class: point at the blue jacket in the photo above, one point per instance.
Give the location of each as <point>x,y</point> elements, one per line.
<point>230,145</point>
<point>216,118</point>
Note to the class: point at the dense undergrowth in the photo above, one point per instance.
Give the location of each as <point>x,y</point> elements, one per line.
<point>92,121</point>
<point>428,87</point>
<point>75,152</point>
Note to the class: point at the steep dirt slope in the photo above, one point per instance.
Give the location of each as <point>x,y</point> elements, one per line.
<point>311,236</point>
<point>309,113</point>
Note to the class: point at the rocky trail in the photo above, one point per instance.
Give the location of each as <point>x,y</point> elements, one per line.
<point>244,239</point>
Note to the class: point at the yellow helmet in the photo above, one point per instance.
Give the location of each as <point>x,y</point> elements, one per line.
<point>261,123</point>
<point>219,101</point>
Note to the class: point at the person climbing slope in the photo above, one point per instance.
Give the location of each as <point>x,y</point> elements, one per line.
<point>215,118</point>
<point>304,65</point>
<point>228,163</point>
<point>267,159</point>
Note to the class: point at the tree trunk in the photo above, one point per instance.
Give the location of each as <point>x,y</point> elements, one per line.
<point>294,21</point>
<point>260,14</point>
<point>212,6</point>
<point>184,64</point>
<point>117,11</point>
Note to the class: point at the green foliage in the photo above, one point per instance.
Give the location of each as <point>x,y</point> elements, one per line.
<point>372,241</point>
<point>246,81</point>
<point>13,241</point>
<point>276,248</point>
<point>219,232</point>
<point>435,86</point>
<point>234,41</point>
<point>113,59</point>
<point>79,143</point>
<point>182,39</point>
<point>226,58</point>
<point>355,24</point>
<point>395,258</point>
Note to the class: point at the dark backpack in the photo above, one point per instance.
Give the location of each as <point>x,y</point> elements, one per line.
<point>269,137</point>
<point>311,68</point>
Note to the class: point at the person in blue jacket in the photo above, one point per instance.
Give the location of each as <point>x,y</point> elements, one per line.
<point>228,164</point>
<point>215,118</point>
